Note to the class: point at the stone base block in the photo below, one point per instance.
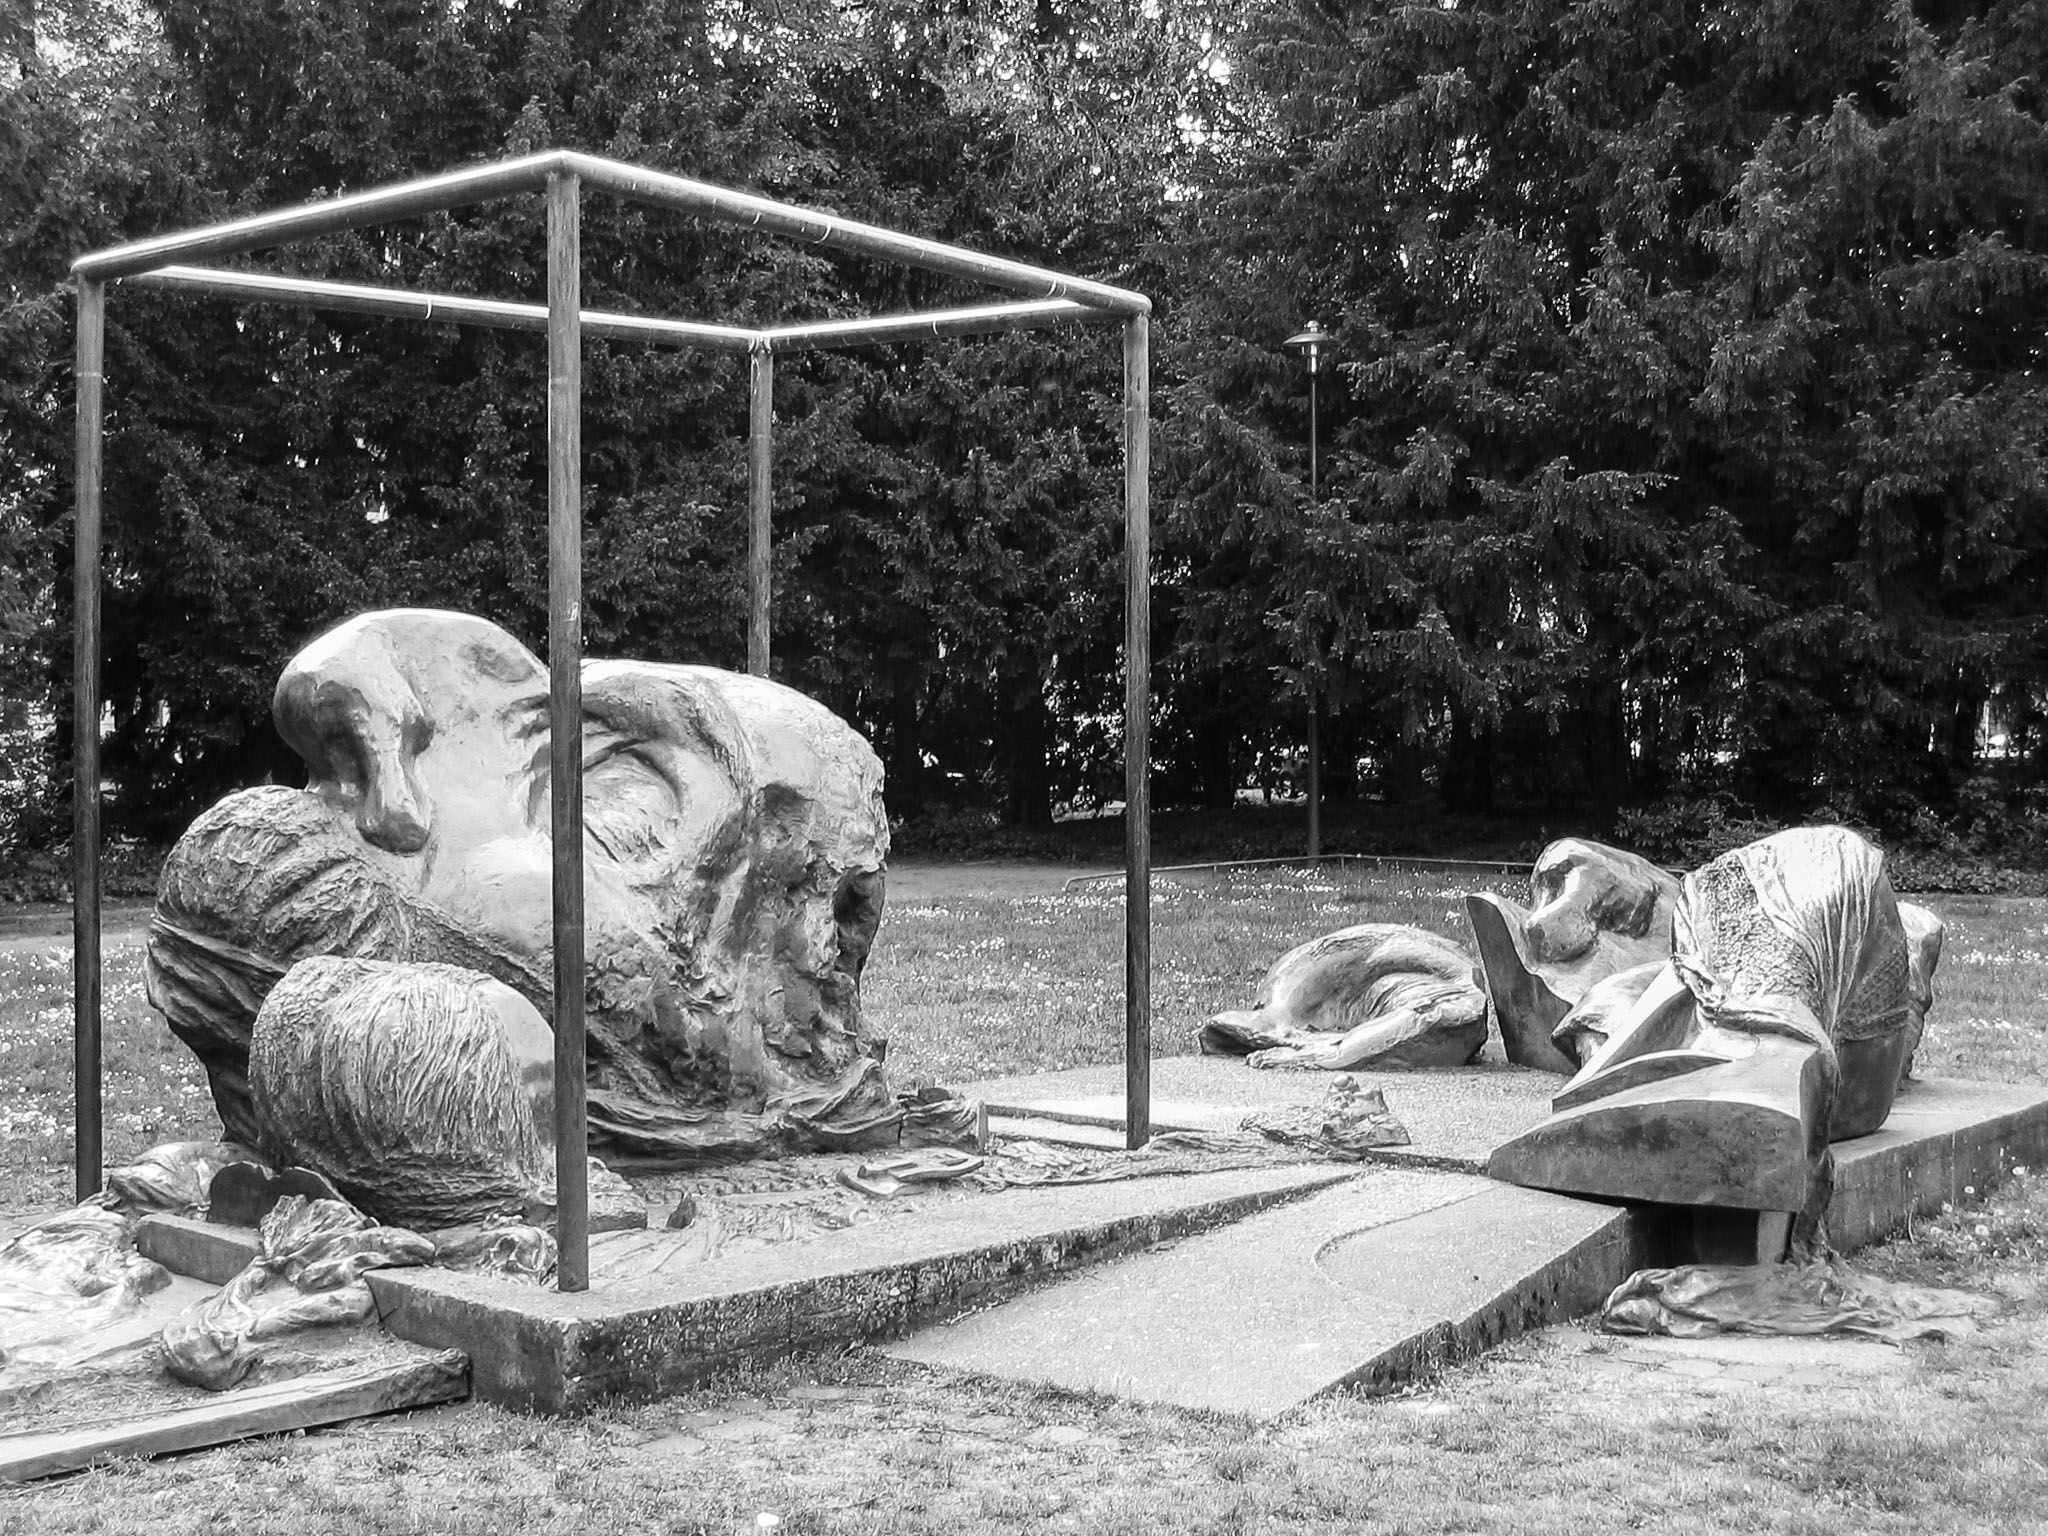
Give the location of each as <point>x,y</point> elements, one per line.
<point>1943,1139</point>
<point>1386,1279</point>
<point>650,1325</point>
<point>201,1249</point>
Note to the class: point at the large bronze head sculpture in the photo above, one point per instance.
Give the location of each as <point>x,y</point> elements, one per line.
<point>735,845</point>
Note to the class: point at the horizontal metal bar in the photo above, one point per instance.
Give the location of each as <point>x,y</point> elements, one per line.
<point>378,205</point>
<point>985,320</point>
<point>458,309</point>
<point>529,174</point>
<point>454,308</point>
<point>743,208</point>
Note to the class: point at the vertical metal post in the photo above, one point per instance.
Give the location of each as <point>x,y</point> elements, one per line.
<point>1315,735</point>
<point>85,741</point>
<point>1137,732</point>
<point>565,721</point>
<point>760,533</point>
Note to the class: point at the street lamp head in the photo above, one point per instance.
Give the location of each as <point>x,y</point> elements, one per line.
<point>1309,341</point>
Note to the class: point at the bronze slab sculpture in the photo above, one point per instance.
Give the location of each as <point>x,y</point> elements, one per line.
<point>1781,1023</point>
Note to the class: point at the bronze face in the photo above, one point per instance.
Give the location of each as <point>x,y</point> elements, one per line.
<point>734,873</point>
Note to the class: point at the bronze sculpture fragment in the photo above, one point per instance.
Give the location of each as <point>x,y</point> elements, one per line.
<point>1378,994</point>
<point>1781,1023</point>
<point>1597,912</point>
<point>423,1091</point>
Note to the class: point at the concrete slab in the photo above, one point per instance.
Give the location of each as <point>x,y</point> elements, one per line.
<point>1455,1117</point>
<point>1368,1285</point>
<point>1944,1137</point>
<point>649,1326</point>
<point>1408,1264</point>
<point>205,1250</point>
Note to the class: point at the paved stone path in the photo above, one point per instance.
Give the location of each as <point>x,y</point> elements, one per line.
<point>1378,1280</point>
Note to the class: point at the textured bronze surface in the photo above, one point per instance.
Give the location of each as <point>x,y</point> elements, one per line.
<point>1782,1022</point>
<point>1377,994</point>
<point>734,846</point>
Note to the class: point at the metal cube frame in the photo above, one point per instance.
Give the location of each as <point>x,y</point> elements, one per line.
<point>561,176</point>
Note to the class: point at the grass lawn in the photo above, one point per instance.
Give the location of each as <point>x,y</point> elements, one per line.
<point>975,987</point>
<point>1547,1435</point>
<point>971,988</point>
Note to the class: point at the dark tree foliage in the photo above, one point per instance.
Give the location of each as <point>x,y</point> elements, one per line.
<point>947,518</point>
<point>89,148</point>
<point>1684,431</point>
<point>1689,423</point>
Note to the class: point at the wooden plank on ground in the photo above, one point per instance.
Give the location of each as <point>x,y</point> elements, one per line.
<point>303,1402</point>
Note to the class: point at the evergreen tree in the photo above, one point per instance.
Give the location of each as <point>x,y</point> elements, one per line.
<point>1683,431</point>
<point>945,518</point>
<point>1662,436</point>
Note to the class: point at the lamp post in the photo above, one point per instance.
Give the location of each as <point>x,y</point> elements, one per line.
<point>1309,341</point>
